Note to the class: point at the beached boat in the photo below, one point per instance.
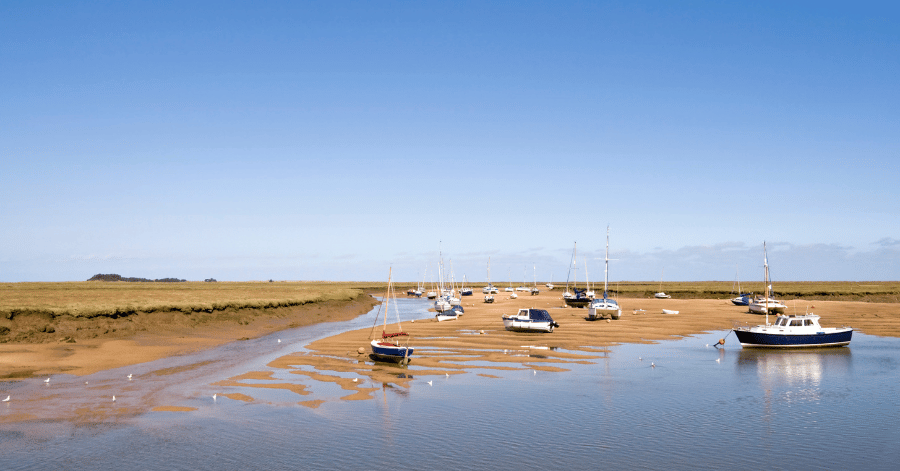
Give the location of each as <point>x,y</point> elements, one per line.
<point>600,308</point>
<point>743,299</point>
<point>489,289</point>
<point>534,289</point>
<point>530,320</point>
<point>387,347</point>
<point>450,314</point>
<point>801,331</point>
<point>579,297</point>
<point>549,284</point>
<point>669,311</point>
<point>661,294</point>
<point>765,304</point>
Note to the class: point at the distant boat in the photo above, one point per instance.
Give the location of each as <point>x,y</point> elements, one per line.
<point>600,308</point>
<point>534,288</point>
<point>743,299</point>
<point>661,294</point>
<point>530,320</point>
<point>549,284</point>
<point>579,298</point>
<point>388,347</point>
<point>669,311</point>
<point>489,289</point>
<point>450,314</point>
<point>765,304</point>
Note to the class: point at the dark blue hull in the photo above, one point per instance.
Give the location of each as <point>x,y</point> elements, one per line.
<point>766,340</point>
<point>578,302</point>
<point>392,354</point>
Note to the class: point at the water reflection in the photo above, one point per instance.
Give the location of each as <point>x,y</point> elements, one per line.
<point>797,368</point>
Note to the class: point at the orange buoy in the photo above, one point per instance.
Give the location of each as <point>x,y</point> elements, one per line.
<point>721,341</point>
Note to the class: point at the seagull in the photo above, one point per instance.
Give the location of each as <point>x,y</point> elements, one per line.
<point>429,383</point>
<point>640,358</point>
<point>47,380</point>
<point>7,399</point>
<point>448,374</point>
<point>214,396</point>
<point>717,360</point>
<point>652,365</point>
<point>114,398</point>
<point>129,376</point>
<point>355,379</point>
<point>279,340</point>
<point>534,371</point>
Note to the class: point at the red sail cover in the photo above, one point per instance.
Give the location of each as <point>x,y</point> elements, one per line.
<point>396,334</point>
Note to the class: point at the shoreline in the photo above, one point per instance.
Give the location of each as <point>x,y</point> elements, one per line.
<point>109,343</point>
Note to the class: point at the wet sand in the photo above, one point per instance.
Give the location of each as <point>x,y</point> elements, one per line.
<point>162,335</point>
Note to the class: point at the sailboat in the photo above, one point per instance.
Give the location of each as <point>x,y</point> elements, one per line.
<point>388,347</point>
<point>550,283</point>
<point>578,299</point>
<point>524,287</point>
<point>488,290</point>
<point>743,299</point>
<point>589,293</point>
<point>509,288</point>
<point>534,288</point>
<point>791,331</point>
<point>442,303</point>
<point>600,308</point>
<point>660,294</point>
<point>765,304</point>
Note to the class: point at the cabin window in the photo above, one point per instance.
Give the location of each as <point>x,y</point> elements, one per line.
<point>807,322</point>
<point>796,322</point>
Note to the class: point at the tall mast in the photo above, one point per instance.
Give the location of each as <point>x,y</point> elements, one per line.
<point>606,270</point>
<point>766,265</point>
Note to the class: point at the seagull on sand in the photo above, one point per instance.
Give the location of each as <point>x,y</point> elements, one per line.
<point>355,379</point>
<point>214,396</point>
<point>114,398</point>
<point>7,399</point>
<point>47,380</point>
<point>129,376</point>
<point>429,383</point>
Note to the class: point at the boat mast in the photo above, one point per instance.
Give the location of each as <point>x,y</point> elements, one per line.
<point>766,265</point>
<point>606,270</point>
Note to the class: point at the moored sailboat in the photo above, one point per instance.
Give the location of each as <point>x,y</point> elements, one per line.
<point>388,347</point>
<point>600,308</point>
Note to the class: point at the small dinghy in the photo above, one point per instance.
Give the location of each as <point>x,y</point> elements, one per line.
<point>669,311</point>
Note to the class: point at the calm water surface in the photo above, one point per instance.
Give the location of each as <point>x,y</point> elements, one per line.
<point>822,409</point>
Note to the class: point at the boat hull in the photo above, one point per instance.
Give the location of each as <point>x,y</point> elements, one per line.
<point>386,351</point>
<point>520,325</point>
<point>577,302</point>
<point>751,339</point>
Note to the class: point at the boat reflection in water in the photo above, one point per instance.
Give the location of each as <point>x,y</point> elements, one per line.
<point>795,375</point>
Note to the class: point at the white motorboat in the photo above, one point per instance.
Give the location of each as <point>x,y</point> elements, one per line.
<point>669,311</point>
<point>530,320</point>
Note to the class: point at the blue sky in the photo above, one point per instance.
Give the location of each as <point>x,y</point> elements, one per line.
<point>331,140</point>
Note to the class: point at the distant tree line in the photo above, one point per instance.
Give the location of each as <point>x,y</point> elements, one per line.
<point>114,277</point>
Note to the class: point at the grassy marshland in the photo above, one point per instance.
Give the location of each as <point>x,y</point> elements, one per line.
<point>97,298</point>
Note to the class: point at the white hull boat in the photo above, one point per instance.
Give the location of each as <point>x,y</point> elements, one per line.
<point>530,320</point>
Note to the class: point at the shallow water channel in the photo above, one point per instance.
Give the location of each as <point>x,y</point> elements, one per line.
<point>819,409</point>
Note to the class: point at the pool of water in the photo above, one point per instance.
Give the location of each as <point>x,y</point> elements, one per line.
<point>673,405</point>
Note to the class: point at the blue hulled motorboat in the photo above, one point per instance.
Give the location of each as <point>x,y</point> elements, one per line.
<point>801,331</point>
